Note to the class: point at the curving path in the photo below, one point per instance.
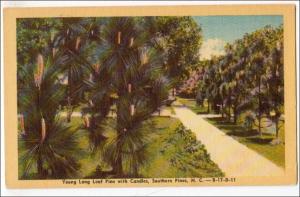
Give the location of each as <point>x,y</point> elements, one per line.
<point>232,157</point>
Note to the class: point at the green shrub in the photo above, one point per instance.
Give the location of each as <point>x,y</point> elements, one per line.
<point>248,121</point>
<point>191,155</point>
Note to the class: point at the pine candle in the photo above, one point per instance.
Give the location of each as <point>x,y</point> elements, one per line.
<point>131,42</point>
<point>52,36</point>
<point>78,39</point>
<point>36,80</point>
<point>22,124</point>
<point>132,110</point>
<point>144,58</point>
<point>129,87</point>
<point>40,61</point>
<point>40,70</point>
<point>119,37</point>
<point>54,50</point>
<point>86,121</point>
<point>91,103</point>
<point>43,130</point>
<point>96,68</point>
<point>91,77</point>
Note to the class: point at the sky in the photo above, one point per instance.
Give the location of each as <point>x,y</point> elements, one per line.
<point>219,30</point>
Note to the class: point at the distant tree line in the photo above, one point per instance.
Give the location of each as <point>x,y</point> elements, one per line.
<point>247,79</point>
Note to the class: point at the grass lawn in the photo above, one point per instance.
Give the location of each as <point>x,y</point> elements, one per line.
<point>172,151</point>
<point>76,108</point>
<point>275,153</point>
<point>191,104</point>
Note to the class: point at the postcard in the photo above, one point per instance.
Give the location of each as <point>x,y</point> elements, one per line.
<point>150,96</point>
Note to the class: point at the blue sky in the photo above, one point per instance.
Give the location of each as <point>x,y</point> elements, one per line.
<point>219,30</point>
<point>229,28</point>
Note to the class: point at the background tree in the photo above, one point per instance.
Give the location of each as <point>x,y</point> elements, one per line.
<point>33,37</point>
<point>249,78</point>
<point>209,87</point>
<point>257,70</point>
<point>181,37</point>
<point>275,82</point>
<point>234,86</point>
<point>189,88</point>
<point>200,88</point>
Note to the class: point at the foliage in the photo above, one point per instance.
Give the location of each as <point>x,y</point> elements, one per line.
<point>77,40</point>
<point>134,70</point>
<point>177,149</point>
<point>248,77</point>
<point>49,145</point>
<point>192,156</point>
<point>126,63</point>
<point>181,37</point>
<point>249,121</point>
<point>189,88</point>
<point>33,36</point>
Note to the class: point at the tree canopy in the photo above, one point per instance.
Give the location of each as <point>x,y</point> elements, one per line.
<point>249,77</point>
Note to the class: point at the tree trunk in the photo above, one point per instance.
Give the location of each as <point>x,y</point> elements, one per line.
<point>277,129</point>
<point>39,158</point>
<point>69,115</point>
<point>117,166</point>
<point>229,113</point>
<point>234,115</point>
<point>92,124</point>
<point>259,107</point>
<point>208,110</point>
<point>222,110</point>
<point>69,99</point>
<point>135,170</point>
<point>259,125</point>
<point>234,118</point>
<point>229,106</point>
<point>40,169</point>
